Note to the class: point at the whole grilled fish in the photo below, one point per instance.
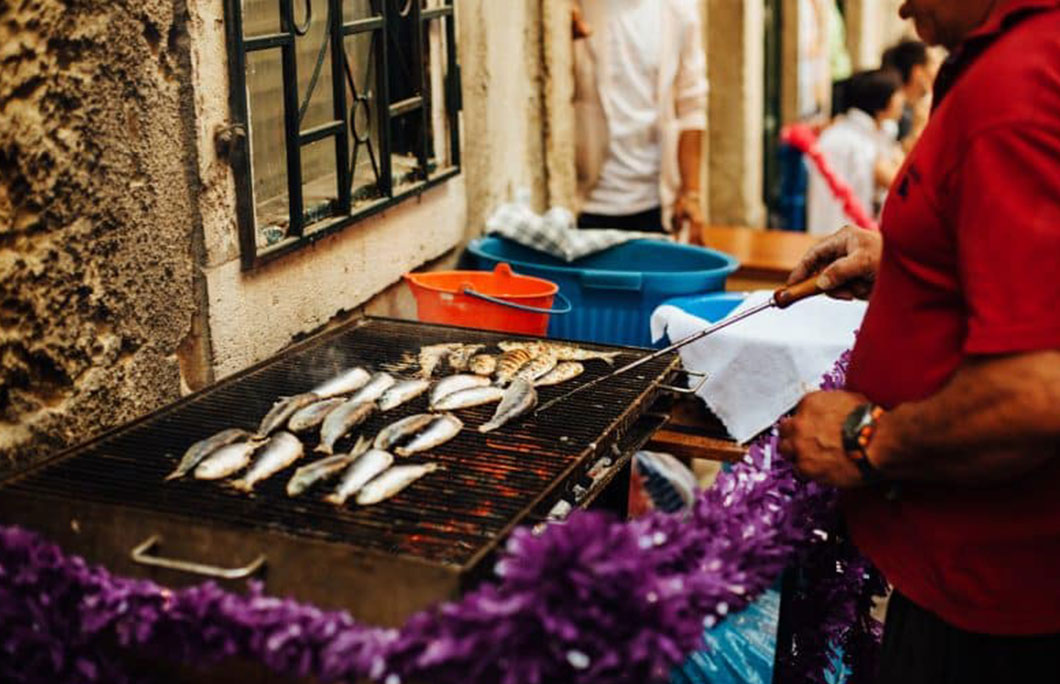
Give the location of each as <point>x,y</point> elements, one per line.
<point>203,448</point>
<point>359,473</point>
<point>398,394</point>
<point>345,382</point>
<point>392,481</point>
<point>282,410</point>
<point>461,356</point>
<point>309,474</point>
<point>455,383</point>
<point>440,431</point>
<point>282,450</point>
<point>228,460</point>
<point>519,398</point>
<point>431,355</point>
<point>341,420</point>
<point>482,364</point>
<point>563,372</point>
<point>538,366</point>
<point>395,432</point>
<point>466,398</point>
<point>509,363</point>
<point>309,417</point>
<point>562,352</point>
<point>379,383</point>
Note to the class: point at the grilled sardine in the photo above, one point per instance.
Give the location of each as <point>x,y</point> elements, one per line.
<point>308,475</point>
<point>359,473</point>
<point>379,383</point>
<point>282,450</point>
<point>455,383</point>
<point>461,356</point>
<point>509,363</point>
<point>466,398</point>
<point>345,382</point>
<point>309,417</point>
<point>203,448</point>
<point>519,398</point>
<point>562,352</point>
<point>440,431</point>
<point>482,364</point>
<point>282,410</point>
<point>432,355</point>
<point>341,420</point>
<point>228,460</point>
<point>395,432</point>
<point>404,391</point>
<point>538,366</point>
<point>392,481</point>
<point>563,372</point>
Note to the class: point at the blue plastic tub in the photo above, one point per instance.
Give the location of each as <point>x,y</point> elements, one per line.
<point>710,307</point>
<point>614,292</point>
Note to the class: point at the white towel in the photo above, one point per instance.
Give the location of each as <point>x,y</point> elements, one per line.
<point>759,368</point>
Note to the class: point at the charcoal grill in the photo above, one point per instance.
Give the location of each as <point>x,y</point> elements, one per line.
<point>107,500</point>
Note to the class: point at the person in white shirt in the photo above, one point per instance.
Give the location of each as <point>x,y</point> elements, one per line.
<point>860,147</point>
<point>640,108</point>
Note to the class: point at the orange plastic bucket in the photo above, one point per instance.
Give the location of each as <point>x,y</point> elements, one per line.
<point>488,300</point>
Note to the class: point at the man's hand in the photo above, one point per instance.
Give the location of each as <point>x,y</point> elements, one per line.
<point>850,259</point>
<point>687,210</point>
<point>813,438</point>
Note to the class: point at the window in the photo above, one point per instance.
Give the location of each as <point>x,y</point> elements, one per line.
<point>348,107</point>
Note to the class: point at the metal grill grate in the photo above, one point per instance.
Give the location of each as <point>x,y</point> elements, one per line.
<point>490,482</point>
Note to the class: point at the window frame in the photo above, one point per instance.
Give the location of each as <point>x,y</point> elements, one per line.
<point>300,234</point>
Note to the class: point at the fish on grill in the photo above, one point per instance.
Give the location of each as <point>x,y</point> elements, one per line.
<point>482,364</point>
<point>228,460</point>
<point>341,420</point>
<point>519,398</point>
<point>509,363</point>
<point>432,355</point>
<point>455,383</point>
<point>538,366</point>
<point>567,370</point>
<point>395,432</point>
<point>375,388</point>
<point>562,352</point>
<point>467,398</point>
<point>440,431</point>
<point>359,473</point>
<point>282,410</point>
<point>323,469</point>
<point>392,481</point>
<point>282,450</point>
<point>403,391</point>
<point>309,417</point>
<point>203,448</point>
<point>345,382</point>
<point>460,357</point>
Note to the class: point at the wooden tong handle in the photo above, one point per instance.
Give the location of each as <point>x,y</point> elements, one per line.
<point>786,296</point>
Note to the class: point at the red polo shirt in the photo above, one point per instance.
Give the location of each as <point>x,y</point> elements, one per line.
<point>971,266</point>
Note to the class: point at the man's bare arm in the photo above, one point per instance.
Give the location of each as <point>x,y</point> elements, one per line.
<point>997,419</point>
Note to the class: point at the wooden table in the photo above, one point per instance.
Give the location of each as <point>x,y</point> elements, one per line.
<point>766,257</point>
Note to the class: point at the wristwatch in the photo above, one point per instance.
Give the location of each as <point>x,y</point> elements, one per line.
<point>858,431</point>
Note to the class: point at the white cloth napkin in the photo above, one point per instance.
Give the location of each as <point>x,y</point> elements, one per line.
<point>761,367</point>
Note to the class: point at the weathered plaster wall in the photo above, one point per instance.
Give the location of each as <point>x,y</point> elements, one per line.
<point>96,246</point>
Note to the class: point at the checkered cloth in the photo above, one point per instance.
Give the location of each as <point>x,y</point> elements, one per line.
<point>555,233</point>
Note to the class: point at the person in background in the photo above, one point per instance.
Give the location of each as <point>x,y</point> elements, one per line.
<point>640,104</point>
<point>858,149</point>
<point>946,439</point>
<point>910,59</point>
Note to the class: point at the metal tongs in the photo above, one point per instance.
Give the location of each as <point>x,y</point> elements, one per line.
<point>781,299</point>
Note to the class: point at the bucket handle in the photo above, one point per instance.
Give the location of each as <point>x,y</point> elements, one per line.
<point>468,290</point>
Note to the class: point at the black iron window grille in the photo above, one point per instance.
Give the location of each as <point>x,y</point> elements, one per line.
<point>342,108</point>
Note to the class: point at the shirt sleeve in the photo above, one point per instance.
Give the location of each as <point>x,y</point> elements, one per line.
<point>1007,195</point>
<point>690,86</point>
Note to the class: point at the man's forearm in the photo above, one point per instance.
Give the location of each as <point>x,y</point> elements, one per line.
<point>996,420</point>
<point>689,158</point>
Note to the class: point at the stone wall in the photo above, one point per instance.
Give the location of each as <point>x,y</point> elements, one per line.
<point>97,284</point>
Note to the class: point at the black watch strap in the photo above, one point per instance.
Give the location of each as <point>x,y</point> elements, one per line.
<point>858,431</point>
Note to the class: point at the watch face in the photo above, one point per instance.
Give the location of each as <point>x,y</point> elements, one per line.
<point>852,428</point>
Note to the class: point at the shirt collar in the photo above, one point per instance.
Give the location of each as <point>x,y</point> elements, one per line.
<point>861,119</point>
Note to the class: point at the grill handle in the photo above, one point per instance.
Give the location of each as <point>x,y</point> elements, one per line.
<point>687,390</point>
<point>142,554</point>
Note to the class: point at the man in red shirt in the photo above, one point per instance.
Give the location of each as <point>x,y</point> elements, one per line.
<point>947,439</point>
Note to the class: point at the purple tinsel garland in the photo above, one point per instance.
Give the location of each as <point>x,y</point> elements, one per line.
<point>591,601</point>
